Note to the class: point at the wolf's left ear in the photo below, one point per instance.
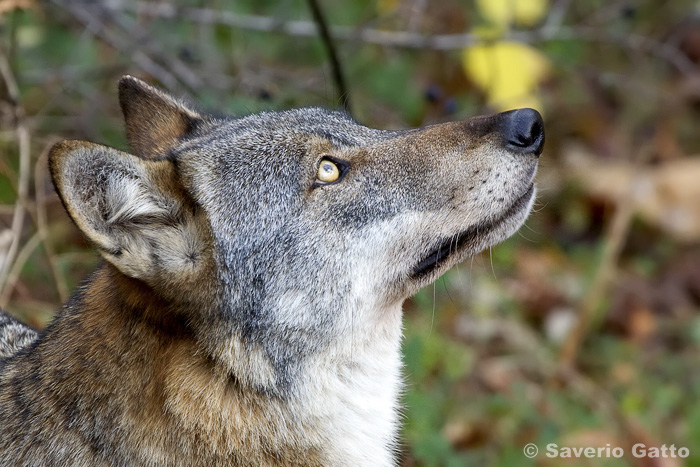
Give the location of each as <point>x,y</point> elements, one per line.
<point>155,121</point>
<point>133,209</point>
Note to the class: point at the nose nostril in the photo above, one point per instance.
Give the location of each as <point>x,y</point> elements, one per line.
<point>522,140</point>
<point>523,131</point>
<point>527,137</point>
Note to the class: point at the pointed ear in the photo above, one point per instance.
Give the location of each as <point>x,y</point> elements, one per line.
<point>132,209</point>
<point>155,121</point>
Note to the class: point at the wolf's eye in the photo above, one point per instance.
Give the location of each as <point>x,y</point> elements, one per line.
<point>331,170</point>
<point>328,171</point>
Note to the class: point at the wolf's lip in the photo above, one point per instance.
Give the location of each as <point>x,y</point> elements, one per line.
<point>456,242</point>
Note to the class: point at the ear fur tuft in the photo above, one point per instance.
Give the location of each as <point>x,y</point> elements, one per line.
<point>133,209</point>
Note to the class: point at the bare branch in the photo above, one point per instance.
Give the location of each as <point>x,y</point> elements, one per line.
<point>22,258</point>
<point>180,69</point>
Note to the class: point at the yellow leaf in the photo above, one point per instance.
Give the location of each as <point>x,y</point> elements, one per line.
<point>507,12</point>
<point>508,72</point>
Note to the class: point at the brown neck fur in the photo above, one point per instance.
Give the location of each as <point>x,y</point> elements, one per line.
<point>129,384</point>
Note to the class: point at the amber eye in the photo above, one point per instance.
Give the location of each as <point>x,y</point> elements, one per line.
<point>328,171</point>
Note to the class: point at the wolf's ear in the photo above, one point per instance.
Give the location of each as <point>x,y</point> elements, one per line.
<point>133,209</point>
<point>155,121</point>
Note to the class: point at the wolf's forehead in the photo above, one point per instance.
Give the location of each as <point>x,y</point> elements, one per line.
<point>269,129</point>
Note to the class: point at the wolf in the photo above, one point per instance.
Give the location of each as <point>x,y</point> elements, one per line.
<point>248,308</point>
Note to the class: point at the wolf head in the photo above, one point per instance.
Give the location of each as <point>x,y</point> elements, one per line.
<point>280,234</point>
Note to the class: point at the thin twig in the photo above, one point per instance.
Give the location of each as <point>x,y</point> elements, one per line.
<point>551,31</point>
<point>6,170</point>
<point>336,66</point>
<point>22,258</point>
<point>24,162</point>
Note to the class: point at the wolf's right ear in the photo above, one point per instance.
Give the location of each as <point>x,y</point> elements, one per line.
<point>155,121</point>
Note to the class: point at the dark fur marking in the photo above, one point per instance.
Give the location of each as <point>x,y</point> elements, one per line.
<point>335,139</point>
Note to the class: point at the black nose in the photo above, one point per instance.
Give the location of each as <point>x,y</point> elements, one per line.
<point>523,131</point>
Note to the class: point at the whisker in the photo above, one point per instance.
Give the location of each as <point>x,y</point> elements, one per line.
<point>447,291</point>
<point>531,229</point>
<point>523,236</point>
<point>352,335</point>
<point>432,317</point>
<point>539,207</point>
<point>493,270</point>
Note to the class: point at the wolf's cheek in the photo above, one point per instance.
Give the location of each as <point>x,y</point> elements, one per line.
<point>415,247</point>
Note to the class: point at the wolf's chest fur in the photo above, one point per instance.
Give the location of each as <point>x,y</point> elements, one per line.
<point>248,311</point>
<point>344,412</point>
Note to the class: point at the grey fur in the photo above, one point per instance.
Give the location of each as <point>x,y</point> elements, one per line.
<point>268,303</point>
<point>14,335</point>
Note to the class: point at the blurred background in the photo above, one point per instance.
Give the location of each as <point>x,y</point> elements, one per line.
<point>581,330</point>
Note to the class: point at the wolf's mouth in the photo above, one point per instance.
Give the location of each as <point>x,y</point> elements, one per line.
<point>455,243</point>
